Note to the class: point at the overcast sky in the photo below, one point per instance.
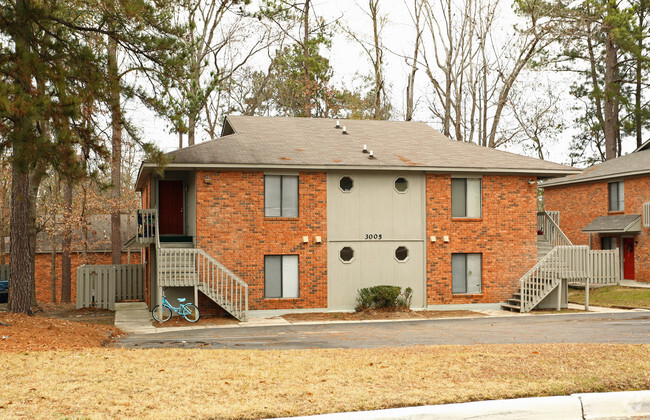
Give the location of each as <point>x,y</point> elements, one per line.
<point>348,60</point>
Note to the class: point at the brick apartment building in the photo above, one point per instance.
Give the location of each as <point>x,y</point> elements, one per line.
<point>607,206</point>
<point>307,211</point>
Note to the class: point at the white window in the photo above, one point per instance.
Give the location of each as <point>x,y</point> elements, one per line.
<point>281,196</point>
<point>281,276</point>
<point>466,197</point>
<point>616,196</point>
<point>466,273</point>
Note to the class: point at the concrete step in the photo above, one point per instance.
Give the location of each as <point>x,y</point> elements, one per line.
<point>509,307</point>
<point>181,245</point>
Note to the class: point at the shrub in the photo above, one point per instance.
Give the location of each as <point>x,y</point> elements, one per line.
<point>377,297</point>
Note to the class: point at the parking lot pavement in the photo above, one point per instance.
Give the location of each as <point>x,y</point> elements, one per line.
<point>620,327</point>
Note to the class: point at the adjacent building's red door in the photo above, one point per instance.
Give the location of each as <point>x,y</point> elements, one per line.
<point>628,258</point>
<point>170,207</point>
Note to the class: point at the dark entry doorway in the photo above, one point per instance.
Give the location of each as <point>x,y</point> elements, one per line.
<point>170,207</point>
<point>628,258</point>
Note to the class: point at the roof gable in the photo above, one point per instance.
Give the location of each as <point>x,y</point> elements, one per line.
<point>633,164</point>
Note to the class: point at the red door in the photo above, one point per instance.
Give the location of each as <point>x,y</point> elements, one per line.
<point>170,207</point>
<point>628,258</point>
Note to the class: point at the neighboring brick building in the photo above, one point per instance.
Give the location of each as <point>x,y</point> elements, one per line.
<point>604,207</point>
<point>97,252</point>
<point>302,212</point>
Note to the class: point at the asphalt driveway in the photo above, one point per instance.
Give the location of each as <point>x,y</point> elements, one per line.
<point>622,327</point>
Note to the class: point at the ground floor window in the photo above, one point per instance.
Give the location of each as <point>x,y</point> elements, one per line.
<point>608,243</point>
<point>281,276</point>
<point>466,273</point>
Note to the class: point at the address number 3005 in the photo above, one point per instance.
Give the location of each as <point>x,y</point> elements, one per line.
<point>373,235</point>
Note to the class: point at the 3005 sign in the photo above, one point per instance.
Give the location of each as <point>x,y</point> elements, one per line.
<point>373,235</point>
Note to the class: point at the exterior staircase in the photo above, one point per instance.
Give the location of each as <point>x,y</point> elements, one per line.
<point>554,263</point>
<point>179,264</point>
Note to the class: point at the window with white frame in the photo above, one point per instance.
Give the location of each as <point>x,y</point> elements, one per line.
<point>466,197</point>
<point>616,196</point>
<point>466,273</point>
<point>281,195</point>
<point>281,276</point>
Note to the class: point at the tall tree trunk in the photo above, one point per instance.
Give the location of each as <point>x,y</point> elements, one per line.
<point>116,160</point>
<point>66,266</point>
<point>378,61</point>
<point>53,268</point>
<point>35,178</point>
<point>640,57</point>
<point>611,97</point>
<point>410,87</point>
<point>20,266</point>
<point>191,125</point>
<point>305,52</point>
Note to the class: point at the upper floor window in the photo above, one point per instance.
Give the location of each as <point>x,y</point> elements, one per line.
<point>466,197</point>
<point>616,196</point>
<point>281,195</point>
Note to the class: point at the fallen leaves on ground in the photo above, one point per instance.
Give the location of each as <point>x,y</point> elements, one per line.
<point>235,384</point>
<point>19,332</point>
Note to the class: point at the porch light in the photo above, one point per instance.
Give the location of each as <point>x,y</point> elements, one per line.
<point>433,239</point>
<point>319,239</point>
<point>208,180</point>
<point>305,239</point>
<point>446,239</point>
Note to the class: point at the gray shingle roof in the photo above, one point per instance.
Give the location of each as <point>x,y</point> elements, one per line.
<point>636,163</point>
<point>621,223</point>
<point>316,143</point>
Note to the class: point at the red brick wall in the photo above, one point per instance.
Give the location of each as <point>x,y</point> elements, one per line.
<point>580,204</point>
<point>43,272</point>
<point>506,236</point>
<point>232,228</point>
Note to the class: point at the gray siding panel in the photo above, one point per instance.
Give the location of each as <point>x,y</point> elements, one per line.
<point>375,219</point>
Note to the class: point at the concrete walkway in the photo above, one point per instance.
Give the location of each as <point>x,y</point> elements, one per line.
<point>606,405</point>
<point>135,318</point>
<point>635,284</point>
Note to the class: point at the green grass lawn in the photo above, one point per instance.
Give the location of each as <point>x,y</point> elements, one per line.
<point>611,296</point>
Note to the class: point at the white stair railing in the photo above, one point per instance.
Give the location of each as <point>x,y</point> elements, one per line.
<point>194,267</point>
<point>547,223</point>
<point>563,262</point>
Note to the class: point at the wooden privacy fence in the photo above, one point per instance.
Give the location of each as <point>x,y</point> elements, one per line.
<point>101,285</point>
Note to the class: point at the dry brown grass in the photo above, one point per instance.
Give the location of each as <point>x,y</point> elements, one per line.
<point>103,383</point>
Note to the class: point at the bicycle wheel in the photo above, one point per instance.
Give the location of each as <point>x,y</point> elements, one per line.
<point>191,312</point>
<point>166,313</point>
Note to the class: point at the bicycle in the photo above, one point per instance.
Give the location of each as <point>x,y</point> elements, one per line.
<point>189,311</point>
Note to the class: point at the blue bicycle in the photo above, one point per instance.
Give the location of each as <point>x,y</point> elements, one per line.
<point>188,310</point>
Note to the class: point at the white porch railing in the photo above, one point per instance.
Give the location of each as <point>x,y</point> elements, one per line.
<point>194,267</point>
<point>575,264</point>
<point>548,223</point>
<point>646,215</point>
<point>604,266</point>
<point>147,226</point>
